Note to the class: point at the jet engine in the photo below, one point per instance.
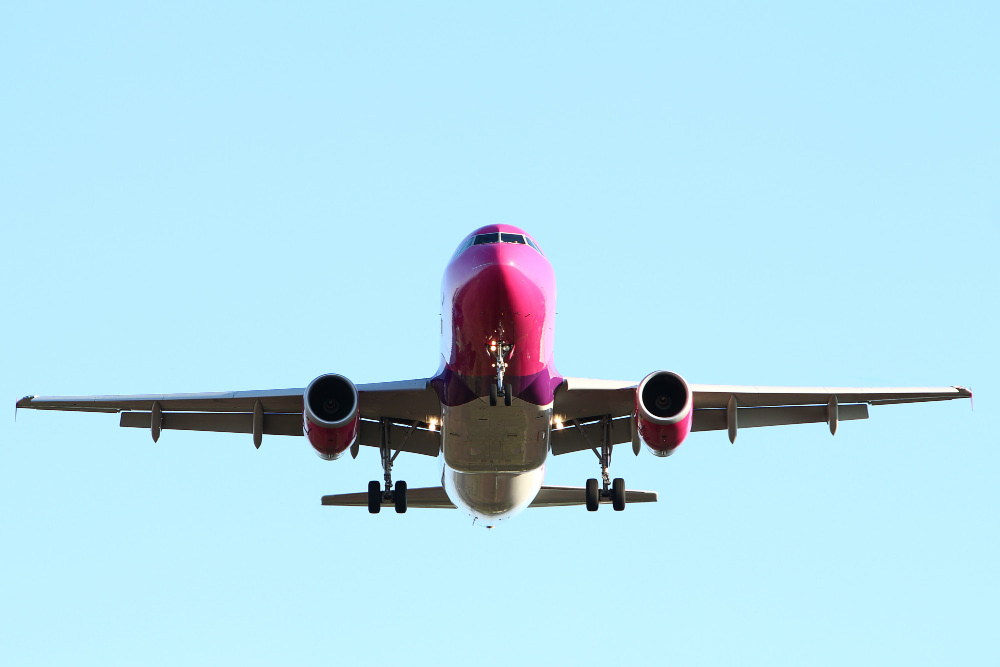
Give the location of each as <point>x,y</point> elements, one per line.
<point>664,409</point>
<point>330,416</point>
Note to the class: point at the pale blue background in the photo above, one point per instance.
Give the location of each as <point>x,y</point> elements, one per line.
<point>234,196</point>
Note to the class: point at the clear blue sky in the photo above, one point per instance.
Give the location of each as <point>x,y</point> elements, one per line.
<point>230,196</point>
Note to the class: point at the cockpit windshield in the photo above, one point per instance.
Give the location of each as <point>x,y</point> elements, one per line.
<point>482,239</point>
<point>497,237</point>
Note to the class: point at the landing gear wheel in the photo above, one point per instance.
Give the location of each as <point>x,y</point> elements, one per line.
<point>593,495</point>
<point>374,497</point>
<point>399,497</point>
<point>618,494</point>
<point>508,393</point>
<point>493,394</point>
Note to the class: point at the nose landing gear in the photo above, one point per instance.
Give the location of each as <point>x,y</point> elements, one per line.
<point>500,351</point>
<point>507,393</point>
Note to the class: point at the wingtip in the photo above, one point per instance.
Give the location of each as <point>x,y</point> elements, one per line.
<point>968,393</point>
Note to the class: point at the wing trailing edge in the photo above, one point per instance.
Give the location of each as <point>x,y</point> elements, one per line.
<point>434,497</point>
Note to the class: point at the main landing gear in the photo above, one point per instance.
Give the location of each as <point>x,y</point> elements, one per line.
<point>613,490</point>
<point>500,351</point>
<point>396,496</point>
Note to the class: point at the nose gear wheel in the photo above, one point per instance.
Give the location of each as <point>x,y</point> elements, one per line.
<point>501,352</point>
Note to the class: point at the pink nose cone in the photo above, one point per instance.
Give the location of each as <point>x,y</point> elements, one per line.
<point>500,295</point>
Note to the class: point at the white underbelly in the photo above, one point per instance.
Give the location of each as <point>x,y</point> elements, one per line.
<point>492,497</point>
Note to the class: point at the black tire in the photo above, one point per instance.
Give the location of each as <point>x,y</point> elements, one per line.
<point>493,393</point>
<point>399,497</point>
<point>593,496</point>
<point>508,394</point>
<point>618,494</point>
<point>374,497</point>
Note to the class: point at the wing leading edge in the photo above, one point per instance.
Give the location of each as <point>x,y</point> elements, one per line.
<point>725,407</point>
<point>409,403</point>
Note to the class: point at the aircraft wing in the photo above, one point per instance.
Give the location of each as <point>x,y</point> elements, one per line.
<point>410,402</point>
<point>723,407</point>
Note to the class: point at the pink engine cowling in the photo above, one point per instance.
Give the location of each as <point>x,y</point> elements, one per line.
<point>664,409</point>
<point>330,415</point>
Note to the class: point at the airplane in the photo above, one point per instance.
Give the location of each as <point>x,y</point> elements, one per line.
<point>497,408</point>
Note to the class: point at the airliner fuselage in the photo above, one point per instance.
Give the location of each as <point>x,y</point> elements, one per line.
<point>498,309</point>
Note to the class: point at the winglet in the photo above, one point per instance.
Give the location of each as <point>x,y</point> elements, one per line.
<point>965,392</point>
<point>23,403</point>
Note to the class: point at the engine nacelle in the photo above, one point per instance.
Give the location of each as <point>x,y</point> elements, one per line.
<point>330,416</point>
<point>664,407</point>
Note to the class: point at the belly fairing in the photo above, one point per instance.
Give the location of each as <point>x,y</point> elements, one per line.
<point>481,438</point>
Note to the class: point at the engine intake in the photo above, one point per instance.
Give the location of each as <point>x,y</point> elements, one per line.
<point>330,416</point>
<point>664,410</point>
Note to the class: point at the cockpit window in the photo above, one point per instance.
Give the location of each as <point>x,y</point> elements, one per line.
<point>465,244</point>
<point>482,239</point>
<point>497,237</point>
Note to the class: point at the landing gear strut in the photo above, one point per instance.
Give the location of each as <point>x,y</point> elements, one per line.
<point>613,490</point>
<point>500,351</point>
<point>376,495</point>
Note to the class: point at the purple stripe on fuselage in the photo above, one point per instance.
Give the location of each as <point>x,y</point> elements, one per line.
<point>455,389</point>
